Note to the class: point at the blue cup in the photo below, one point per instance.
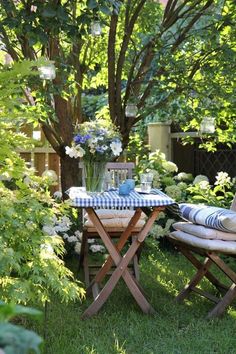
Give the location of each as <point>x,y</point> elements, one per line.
<point>124,189</point>
<point>131,183</point>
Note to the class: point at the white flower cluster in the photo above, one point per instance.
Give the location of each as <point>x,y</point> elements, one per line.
<point>200,178</point>
<point>222,178</point>
<point>61,226</point>
<point>169,166</point>
<point>174,192</point>
<point>183,176</point>
<point>159,231</point>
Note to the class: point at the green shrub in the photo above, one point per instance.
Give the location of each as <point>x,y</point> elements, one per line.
<point>15,339</point>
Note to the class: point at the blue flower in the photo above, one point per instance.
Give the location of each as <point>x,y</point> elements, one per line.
<point>100,149</point>
<point>81,139</point>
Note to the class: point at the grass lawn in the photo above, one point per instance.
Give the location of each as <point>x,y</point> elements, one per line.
<point>121,327</point>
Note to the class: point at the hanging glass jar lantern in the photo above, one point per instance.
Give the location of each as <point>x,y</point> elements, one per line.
<point>207,125</point>
<point>96,28</point>
<point>131,110</point>
<point>47,72</point>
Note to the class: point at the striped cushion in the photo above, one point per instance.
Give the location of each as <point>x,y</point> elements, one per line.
<point>213,217</point>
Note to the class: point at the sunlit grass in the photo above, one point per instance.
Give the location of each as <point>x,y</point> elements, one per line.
<point>121,328</point>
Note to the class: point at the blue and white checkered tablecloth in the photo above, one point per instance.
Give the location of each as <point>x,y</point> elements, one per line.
<point>111,199</point>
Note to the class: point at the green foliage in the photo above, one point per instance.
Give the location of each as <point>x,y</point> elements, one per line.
<point>136,150</point>
<point>16,339</point>
<point>31,258</point>
<point>220,194</point>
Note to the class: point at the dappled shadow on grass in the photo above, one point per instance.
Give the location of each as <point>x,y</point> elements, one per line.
<point>121,327</point>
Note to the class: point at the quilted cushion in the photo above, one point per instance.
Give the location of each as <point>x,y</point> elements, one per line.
<point>213,217</point>
<point>115,223</point>
<point>203,231</point>
<point>210,245</point>
<point>115,213</point>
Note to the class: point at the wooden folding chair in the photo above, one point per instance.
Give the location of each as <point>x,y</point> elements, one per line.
<point>119,171</point>
<point>212,255</point>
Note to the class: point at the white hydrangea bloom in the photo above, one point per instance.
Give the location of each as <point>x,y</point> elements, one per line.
<point>78,234</point>
<point>77,247</point>
<point>170,166</point>
<point>222,178</point>
<point>49,230</point>
<point>97,248</point>
<point>91,240</point>
<point>174,192</point>
<point>200,178</point>
<point>204,184</point>
<point>72,239</point>
<point>183,176</point>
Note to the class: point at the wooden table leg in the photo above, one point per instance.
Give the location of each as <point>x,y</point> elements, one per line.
<point>120,244</point>
<point>122,264</point>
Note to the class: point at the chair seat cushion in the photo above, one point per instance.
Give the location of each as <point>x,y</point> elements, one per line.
<point>203,231</point>
<point>228,247</point>
<point>116,223</point>
<point>115,213</point>
<point>213,217</point>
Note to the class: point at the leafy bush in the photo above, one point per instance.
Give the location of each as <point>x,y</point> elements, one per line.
<point>31,258</point>
<point>15,339</point>
<point>220,194</point>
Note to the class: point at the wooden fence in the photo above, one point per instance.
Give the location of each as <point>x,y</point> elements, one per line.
<point>43,159</point>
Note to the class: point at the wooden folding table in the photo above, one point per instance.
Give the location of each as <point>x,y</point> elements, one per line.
<point>156,201</point>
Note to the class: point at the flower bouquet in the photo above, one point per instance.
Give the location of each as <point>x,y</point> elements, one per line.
<point>96,144</point>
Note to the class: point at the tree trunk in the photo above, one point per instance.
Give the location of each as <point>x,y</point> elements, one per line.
<point>71,174</point>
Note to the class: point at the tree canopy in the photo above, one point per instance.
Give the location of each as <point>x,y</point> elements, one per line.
<point>173,60</point>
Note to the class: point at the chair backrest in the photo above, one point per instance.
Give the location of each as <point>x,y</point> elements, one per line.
<point>119,171</point>
<point>233,205</point>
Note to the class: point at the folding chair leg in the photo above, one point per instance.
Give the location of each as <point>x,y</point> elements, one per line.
<point>195,280</point>
<point>222,305</point>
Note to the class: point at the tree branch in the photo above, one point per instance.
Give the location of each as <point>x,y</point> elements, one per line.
<point>112,69</point>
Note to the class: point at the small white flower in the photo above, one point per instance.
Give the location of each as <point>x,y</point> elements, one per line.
<point>97,248</point>
<point>72,239</point>
<point>49,229</point>
<point>78,234</point>
<point>77,247</point>
<point>91,240</point>
<point>61,228</point>
<point>57,195</point>
<point>116,147</point>
<point>222,178</point>
<point>75,151</point>
<point>65,236</point>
